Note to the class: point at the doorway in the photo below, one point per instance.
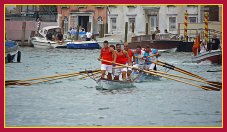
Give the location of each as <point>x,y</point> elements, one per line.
<point>83,22</point>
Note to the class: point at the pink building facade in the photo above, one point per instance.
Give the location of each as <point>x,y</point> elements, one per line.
<point>71,16</point>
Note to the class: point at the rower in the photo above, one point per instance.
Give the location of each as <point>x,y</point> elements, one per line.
<point>150,56</point>
<point>138,57</point>
<point>121,58</point>
<point>107,53</point>
<point>130,54</point>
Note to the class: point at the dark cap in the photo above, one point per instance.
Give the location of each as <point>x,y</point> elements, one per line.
<point>106,41</point>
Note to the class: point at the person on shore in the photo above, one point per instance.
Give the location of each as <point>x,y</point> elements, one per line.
<point>38,25</point>
<point>165,31</point>
<point>122,57</point>
<point>157,30</point>
<point>130,54</point>
<point>88,36</point>
<point>107,53</point>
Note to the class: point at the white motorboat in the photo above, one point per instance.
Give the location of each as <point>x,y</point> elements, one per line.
<point>45,38</point>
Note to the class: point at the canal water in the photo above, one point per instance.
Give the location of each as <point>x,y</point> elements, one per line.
<point>77,103</point>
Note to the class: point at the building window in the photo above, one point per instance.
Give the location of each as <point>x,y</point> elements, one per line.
<point>192,19</point>
<point>131,20</point>
<point>172,23</point>
<point>153,22</point>
<point>72,21</point>
<point>114,24</point>
<point>65,25</point>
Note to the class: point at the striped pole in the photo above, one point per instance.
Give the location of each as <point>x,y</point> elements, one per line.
<point>206,26</point>
<point>185,25</point>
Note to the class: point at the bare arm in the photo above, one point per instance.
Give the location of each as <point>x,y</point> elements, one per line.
<point>114,54</point>
<point>126,54</point>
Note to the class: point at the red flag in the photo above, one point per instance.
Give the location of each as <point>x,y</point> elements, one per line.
<point>196,46</point>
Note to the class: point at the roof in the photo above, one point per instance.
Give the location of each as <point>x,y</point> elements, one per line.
<point>44,30</point>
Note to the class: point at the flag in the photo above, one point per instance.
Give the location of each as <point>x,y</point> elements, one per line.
<point>196,46</point>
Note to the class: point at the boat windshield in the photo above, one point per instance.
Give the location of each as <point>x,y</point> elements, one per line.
<point>54,31</point>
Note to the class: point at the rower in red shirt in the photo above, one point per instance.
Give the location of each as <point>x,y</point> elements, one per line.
<point>130,54</point>
<point>121,58</point>
<point>107,53</point>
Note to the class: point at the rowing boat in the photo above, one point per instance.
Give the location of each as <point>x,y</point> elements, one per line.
<point>114,84</point>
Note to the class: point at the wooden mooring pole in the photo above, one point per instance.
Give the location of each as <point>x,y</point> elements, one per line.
<point>146,28</point>
<point>126,31</point>
<point>23,33</point>
<point>77,32</point>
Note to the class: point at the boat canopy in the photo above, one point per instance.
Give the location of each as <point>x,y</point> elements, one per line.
<point>51,29</point>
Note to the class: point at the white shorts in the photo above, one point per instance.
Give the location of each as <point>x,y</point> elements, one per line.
<point>118,71</point>
<point>107,68</point>
<point>149,67</point>
<point>129,69</point>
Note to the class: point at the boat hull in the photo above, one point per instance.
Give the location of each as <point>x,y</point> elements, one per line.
<point>161,45</point>
<point>83,45</point>
<point>215,57</point>
<point>114,84</point>
<point>43,43</point>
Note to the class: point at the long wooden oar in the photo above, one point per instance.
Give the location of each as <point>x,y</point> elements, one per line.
<point>89,76</point>
<point>52,79</point>
<point>166,65</point>
<point>26,82</point>
<point>193,79</point>
<point>153,73</point>
<point>213,83</point>
<point>172,67</point>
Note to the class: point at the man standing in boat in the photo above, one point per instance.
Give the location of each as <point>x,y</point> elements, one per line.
<point>130,54</point>
<point>215,43</point>
<point>150,56</point>
<point>122,57</point>
<point>107,53</point>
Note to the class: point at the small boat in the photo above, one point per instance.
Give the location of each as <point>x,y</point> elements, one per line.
<point>114,84</point>
<point>41,41</point>
<point>83,45</point>
<point>11,50</point>
<point>162,42</point>
<point>214,56</point>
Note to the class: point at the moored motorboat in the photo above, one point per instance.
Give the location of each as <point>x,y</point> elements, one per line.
<point>43,41</point>
<point>11,50</point>
<point>83,45</point>
<point>214,56</point>
<point>161,41</point>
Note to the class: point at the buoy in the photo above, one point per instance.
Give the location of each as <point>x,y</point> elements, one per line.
<point>9,58</point>
<point>18,56</point>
